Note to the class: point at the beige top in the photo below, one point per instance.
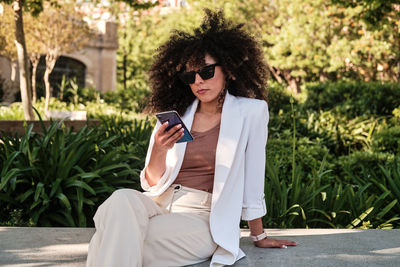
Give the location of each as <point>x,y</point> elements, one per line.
<point>198,166</point>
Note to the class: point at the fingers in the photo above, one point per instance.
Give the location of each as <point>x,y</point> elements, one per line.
<point>285,243</point>
<point>170,137</point>
<point>274,243</point>
<point>178,133</point>
<point>288,243</point>
<point>163,127</point>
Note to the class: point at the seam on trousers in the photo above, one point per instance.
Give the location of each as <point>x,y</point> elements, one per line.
<point>177,188</point>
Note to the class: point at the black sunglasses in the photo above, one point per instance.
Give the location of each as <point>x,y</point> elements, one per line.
<point>205,73</point>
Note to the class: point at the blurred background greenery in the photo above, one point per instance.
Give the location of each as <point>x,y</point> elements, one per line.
<point>333,153</point>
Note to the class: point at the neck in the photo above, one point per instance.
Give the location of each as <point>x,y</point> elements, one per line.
<point>208,108</point>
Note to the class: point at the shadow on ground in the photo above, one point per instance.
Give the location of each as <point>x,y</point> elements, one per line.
<point>317,247</point>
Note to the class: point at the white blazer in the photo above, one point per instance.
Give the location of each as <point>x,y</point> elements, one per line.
<point>239,171</point>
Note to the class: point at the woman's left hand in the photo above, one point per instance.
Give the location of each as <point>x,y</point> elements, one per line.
<point>274,243</point>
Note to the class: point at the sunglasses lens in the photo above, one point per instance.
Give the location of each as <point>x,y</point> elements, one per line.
<point>188,77</point>
<point>207,72</point>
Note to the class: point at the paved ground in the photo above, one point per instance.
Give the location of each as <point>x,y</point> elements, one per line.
<point>317,247</point>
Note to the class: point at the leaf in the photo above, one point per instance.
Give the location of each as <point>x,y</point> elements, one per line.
<point>80,184</point>
<point>25,195</point>
<point>64,200</point>
<point>8,162</point>
<point>386,209</point>
<point>9,175</point>
<point>38,191</point>
<point>360,218</point>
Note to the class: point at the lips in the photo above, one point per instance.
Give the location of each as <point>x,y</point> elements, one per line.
<point>202,91</point>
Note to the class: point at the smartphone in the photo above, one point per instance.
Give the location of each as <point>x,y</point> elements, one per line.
<point>173,119</point>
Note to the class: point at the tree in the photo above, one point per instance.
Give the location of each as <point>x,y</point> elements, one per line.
<point>57,30</point>
<point>34,6</point>
<point>316,41</point>
<point>8,50</point>
<point>303,41</point>
<point>34,49</point>
<point>383,17</point>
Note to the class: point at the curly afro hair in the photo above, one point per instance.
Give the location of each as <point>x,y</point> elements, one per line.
<point>238,53</point>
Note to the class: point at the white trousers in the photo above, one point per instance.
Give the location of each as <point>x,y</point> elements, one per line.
<point>133,230</point>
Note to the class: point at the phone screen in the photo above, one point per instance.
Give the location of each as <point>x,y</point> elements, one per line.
<point>173,119</point>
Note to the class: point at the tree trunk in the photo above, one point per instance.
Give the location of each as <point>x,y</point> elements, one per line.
<point>35,58</point>
<point>124,69</point>
<point>14,65</point>
<point>24,76</point>
<point>11,87</point>
<point>51,58</point>
<point>398,56</point>
<point>293,82</point>
<point>275,73</point>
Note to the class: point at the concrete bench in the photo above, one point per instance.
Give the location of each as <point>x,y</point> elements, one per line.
<point>317,247</point>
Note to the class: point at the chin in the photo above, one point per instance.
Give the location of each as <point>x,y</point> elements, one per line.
<point>207,99</point>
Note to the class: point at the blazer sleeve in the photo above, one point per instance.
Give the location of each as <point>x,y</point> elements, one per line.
<point>253,198</point>
<point>143,181</point>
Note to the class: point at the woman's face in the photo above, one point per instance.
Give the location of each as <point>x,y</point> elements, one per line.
<point>208,91</point>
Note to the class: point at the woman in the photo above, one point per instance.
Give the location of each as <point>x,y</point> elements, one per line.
<point>196,192</point>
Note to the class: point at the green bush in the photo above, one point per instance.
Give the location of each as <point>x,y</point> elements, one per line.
<point>387,140</point>
<point>360,165</point>
<point>131,99</point>
<point>340,134</point>
<point>343,171</point>
<point>308,154</point>
<point>95,110</point>
<point>354,98</point>
<point>279,99</point>
<point>59,178</point>
<point>318,200</point>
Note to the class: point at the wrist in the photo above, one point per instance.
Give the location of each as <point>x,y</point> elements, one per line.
<point>159,151</point>
<point>257,238</point>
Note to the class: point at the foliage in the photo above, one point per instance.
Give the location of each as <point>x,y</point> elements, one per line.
<point>278,98</point>
<point>387,140</point>
<point>131,99</point>
<point>303,40</point>
<point>329,163</point>
<point>316,199</point>
<point>346,167</point>
<point>375,12</point>
<point>354,98</point>
<point>95,110</point>
<point>58,178</point>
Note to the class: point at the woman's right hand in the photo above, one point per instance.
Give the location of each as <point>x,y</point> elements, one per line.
<point>165,140</point>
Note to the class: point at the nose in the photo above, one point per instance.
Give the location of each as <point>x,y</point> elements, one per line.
<point>198,79</point>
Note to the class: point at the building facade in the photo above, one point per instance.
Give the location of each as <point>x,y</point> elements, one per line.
<point>94,66</point>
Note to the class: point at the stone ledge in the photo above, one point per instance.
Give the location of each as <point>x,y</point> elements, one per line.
<point>12,127</point>
<point>317,247</point>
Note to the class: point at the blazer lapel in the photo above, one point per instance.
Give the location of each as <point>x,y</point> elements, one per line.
<point>229,135</point>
